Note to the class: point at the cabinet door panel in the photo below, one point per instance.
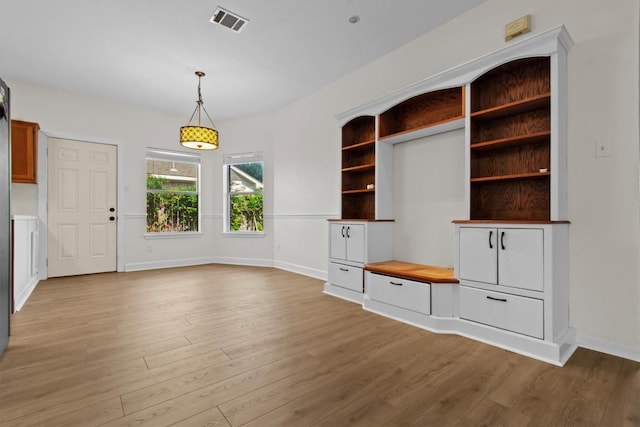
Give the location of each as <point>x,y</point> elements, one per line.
<point>415,296</point>
<point>520,258</point>
<point>510,312</point>
<point>355,242</point>
<point>478,259</point>
<point>337,245</point>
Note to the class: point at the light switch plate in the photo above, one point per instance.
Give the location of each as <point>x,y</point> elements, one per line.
<point>517,27</point>
<point>603,148</point>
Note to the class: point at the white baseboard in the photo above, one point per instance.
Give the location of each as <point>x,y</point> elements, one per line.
<point>21,298</point>
<point>305,271</point>
<point>255,262</point>
<point>185,262</point>
<point>602,346</point>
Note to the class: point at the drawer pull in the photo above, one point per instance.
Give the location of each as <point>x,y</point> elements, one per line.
<point>502,240</point>
<point>497,299</point>
<point>490,236</point>
<point>396,283</point>
<point>344,269</point>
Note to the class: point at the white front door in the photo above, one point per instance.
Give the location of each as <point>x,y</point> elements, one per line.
<point>82,207</point>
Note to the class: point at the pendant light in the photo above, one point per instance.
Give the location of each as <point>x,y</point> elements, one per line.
<point>197,136</point>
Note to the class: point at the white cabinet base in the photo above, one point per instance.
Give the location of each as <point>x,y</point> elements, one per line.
<point>556,353</point>
<point>344,293</point>
<point>445,312</point>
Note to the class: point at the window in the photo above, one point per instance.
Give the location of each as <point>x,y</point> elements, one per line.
<point>244,190</point>
<point>173,192</point>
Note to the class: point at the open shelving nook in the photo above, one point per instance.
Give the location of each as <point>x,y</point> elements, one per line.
<point>358,168</point>
<point>510,136</point>
<point>422,111</point>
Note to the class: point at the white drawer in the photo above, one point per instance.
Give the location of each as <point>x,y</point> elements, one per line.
<point>514,313</point>
<point>346,276</point>
<point>415,296</point>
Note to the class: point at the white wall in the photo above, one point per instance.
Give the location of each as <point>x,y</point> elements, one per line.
<point>134,129</point>
<point>604,192</point>
<point>24,199</point>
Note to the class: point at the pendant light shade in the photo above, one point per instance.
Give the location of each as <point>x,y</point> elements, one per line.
<point>197,136</point>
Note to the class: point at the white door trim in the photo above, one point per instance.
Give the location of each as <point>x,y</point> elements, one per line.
<point>43,192</point>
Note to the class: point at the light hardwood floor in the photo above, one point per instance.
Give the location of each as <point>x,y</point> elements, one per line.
<point>221,345</point>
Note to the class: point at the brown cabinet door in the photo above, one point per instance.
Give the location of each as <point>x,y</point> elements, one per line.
<point>24,149</point>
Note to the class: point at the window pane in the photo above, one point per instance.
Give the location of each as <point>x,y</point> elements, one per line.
<point>170,175</point>
<point>169,212</point>
<point>246,212</point>
<point>245,178</point>
<point>172,193</point>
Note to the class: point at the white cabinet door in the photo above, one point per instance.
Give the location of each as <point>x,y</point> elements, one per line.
<point>478,259</point>
<point>337,242</point>
<point>520,258</point>
<point>355,242</point>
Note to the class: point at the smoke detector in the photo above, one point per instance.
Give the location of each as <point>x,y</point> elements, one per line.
<point>228,19</point>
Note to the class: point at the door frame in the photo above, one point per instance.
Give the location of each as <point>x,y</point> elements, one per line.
<point>43,193</point>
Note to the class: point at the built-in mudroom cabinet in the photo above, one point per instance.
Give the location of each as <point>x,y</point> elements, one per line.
<point>510,281</point>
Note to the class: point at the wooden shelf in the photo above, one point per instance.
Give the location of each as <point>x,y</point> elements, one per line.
<point>359,130</point>
<point>422,111</point>
<point>424,131</point>
<point>529,104</point>
<point>365,190</point>
<point>360,168</point>
<point>532,138</point>
<point>509,142</point>
<point>360,146</point>
<point>532,175</point>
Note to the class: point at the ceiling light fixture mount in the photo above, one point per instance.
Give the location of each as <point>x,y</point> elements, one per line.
<point>197,136</point>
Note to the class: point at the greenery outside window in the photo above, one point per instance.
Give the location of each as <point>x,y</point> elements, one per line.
<point>173,192</point>
<point>244,193</point>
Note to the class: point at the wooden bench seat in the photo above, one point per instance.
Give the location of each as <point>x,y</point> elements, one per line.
<point>411,271</point>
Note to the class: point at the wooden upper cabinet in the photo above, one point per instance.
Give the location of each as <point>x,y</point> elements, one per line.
<point>24,151</point>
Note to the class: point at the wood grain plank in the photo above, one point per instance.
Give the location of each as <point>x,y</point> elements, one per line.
<point>81,346</point>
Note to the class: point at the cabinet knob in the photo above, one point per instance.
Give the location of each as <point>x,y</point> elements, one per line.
<point>112,218</point>
<point>348,228</point>
<point>502,241</point>
<point>112,209</point>
<point>343,231</point>
<point>490,236</point>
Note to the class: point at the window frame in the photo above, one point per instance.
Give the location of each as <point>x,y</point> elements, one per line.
<point>235,159</point>
<point>182,157</point>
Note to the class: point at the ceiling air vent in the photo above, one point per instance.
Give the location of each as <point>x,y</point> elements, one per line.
<point>228,19</point>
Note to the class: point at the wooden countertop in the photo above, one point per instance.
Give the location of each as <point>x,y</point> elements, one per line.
<point>411,271</point>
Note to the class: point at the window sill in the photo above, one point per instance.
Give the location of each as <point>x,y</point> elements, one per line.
<point>176,235</point>
<point>243,234</point>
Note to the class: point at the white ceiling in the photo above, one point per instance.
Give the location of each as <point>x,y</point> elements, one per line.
<point>145,52</point>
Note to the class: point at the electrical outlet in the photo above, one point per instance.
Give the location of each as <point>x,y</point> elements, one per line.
<point>603,148</point>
